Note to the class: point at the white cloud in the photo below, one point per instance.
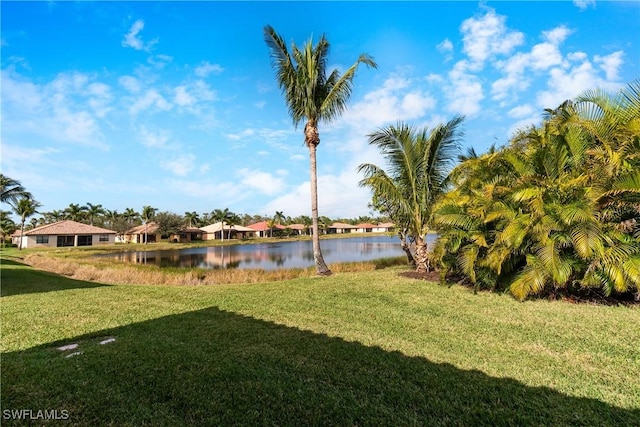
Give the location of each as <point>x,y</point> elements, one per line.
<point>133,40</point>
<point>445,46</point>
<point>542,57</point>
<point>486,36</point>
<point>157,139</point>
<point>264,182</point>
<point>246,133</point>
<point>56,110</point>
<point>182,97</point>
<point>610,64</point>
<point>399,98</point>
<point>15,153</point>
<point>181,165</point>
<point>568,83</point>
<point>520,111</point>
<point>557,35</point>
<point>130,83</point>
<point>584,4</point>
<point>338,196</point>
<point>150,99</point>
<point>205,69</point>
<point>464,91</point>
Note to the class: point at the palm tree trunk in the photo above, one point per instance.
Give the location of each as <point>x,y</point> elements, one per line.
<point>321,267</point>
<point>21,234</point>
<point>422,255</point>
<point>405,247</point>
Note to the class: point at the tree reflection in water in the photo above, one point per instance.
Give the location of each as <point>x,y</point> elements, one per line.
<point>270,256</point>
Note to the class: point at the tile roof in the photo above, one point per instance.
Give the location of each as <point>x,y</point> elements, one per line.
<point>297,226</point>
<point>341,225</point>
<point>151,228</point>
<point>262,226</point>
<point>67,227</point>
<point>386,225</point>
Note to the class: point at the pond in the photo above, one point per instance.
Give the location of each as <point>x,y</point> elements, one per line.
<point>271,255</point>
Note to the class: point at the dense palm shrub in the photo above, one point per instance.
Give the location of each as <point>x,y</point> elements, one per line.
<point>556,209</point>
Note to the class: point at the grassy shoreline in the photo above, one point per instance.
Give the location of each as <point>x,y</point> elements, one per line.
<point>367,347</point>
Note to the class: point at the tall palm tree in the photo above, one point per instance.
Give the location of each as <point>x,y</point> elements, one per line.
<point>92,211</point>
<point>312,96</point>
<point>147,214</point>
<point>419,163</point>
<point>24,208</point>
<point>75,212</point>
<point>130,215</point>
<point>111,216</point>
<point>11,190</point>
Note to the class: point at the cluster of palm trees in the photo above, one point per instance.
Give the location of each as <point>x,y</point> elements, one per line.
<point>558,209</point>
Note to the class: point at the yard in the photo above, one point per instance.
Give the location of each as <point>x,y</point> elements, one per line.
<point>356,348</point>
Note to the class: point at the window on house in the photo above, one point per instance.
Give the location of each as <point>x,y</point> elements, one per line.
<point>85,240</point>
<point>42,239</point>
<point>65,241</point>
<point>104,238</point>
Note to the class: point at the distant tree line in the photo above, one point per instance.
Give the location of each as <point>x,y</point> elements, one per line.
<point>26,208</point>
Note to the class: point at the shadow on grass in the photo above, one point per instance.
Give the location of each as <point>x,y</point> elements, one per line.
<point>18,278</point>
<point>211,367</point>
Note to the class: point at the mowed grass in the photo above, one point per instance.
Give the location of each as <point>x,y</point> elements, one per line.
<point>365,348</point>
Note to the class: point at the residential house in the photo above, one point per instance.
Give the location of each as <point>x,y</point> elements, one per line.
<point>384,227</point>
<point>64,233</point>
<point>364,228</point>
<point>341,228</point>
<point>262,229</point>
<point>214,232</point>
<point>189,234</point>
<point>145,233</point>
<point>149,233</point>
<point>299,229</point>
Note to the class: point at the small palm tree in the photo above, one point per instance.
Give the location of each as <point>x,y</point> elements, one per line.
<point>7,225</point>
<point>278,217</point>
<point>221,215</point>
<point>24,208</point>
<point>312,96</point>
<point>147,215</point>
<point>419,163</point>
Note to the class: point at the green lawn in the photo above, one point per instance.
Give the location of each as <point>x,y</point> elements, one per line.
<point>367,348</point>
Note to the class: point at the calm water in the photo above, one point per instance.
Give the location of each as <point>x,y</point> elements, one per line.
<point>270,256</point>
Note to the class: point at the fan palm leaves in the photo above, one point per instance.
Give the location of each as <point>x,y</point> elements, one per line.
<point>313,94</point>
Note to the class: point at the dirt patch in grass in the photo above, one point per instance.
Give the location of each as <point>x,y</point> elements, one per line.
<point>431,276</point>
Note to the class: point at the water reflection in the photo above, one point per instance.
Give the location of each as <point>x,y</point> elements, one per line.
<point>269,256</point>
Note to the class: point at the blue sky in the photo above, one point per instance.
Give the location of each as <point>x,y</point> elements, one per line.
<point>175,105</point>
